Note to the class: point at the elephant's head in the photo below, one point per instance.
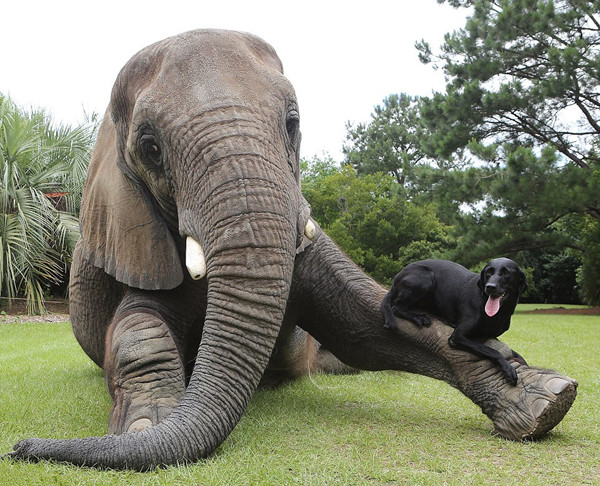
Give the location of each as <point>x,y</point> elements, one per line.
<point>199,147</point>
<point>196,165</point>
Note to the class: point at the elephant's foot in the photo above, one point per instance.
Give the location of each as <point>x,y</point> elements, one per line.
<point>144,372</point>
<point>134,413</point>
<point>532,408</point>
<point>326,362</point>
<point>299,354</point>
<point>139,425</point>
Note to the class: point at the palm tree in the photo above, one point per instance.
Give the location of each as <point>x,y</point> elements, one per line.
<point>42,169</point>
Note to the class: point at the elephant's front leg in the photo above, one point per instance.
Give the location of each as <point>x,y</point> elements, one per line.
<point>297,353</point>
<point>528,410</point>
<point>144,371</point>
<point>341,307</point>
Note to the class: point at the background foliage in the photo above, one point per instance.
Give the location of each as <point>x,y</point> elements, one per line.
<point>370,218</point>
<point>42,170</point>
<point>506,160</point>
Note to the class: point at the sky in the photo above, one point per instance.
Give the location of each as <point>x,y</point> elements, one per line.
<point>343,57</point>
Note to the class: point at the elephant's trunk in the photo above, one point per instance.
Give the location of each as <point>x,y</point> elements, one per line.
<point>250,250</point>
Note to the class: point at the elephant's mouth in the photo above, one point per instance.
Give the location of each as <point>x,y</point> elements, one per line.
<point>195,259</point>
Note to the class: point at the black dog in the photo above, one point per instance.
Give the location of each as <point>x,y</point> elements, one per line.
<point>478,307</point>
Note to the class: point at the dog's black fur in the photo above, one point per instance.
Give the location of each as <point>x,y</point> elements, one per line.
<point>458,296</point>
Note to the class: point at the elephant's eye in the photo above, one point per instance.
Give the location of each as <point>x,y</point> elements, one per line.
<point>150,149</point>
<point>292,125</point>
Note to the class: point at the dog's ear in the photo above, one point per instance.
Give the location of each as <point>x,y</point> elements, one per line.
<point>481,281</point>
<point>522,282</point>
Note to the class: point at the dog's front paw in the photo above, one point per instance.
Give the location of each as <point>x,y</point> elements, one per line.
<point>509,373</point>
<point>422,320</point>
<point>389,326</point>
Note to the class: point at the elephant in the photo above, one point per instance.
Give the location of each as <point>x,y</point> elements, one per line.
<point>200,274</point>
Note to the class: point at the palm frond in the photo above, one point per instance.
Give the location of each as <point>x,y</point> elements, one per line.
<point>38,234</point>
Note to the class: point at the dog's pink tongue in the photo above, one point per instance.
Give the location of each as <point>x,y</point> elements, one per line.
<point>492,306</point>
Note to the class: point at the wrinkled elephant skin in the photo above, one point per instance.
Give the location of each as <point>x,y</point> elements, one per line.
<point>199,274</point>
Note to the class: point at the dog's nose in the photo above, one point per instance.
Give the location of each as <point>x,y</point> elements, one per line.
<point>489,288</point>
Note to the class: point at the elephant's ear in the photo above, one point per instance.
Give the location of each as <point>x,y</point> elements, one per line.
<point>120,230</point>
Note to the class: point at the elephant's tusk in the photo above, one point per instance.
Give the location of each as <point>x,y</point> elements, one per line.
<point>310,231</point>
<point>194,259</point>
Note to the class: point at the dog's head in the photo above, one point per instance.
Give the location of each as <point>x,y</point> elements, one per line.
<point>501,280</point>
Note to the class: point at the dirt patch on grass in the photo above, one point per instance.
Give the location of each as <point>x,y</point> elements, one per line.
<point>58,311</point>
<point>582,311</point>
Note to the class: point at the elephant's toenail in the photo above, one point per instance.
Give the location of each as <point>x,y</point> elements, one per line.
<point>539,406</point>
<point>556,385</point>
<point>139,425</point>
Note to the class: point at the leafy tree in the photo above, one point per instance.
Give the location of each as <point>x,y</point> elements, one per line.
<point>517,203</point>
<point>523,78</point>
<point>553,276</point>
<point>371,221</point>
<point>525,70</point>
<point>588,276</point>
<point>42,169</point>
<point>391,143</point>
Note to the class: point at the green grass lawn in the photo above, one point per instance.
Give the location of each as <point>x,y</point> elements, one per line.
<point>373,428</point>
